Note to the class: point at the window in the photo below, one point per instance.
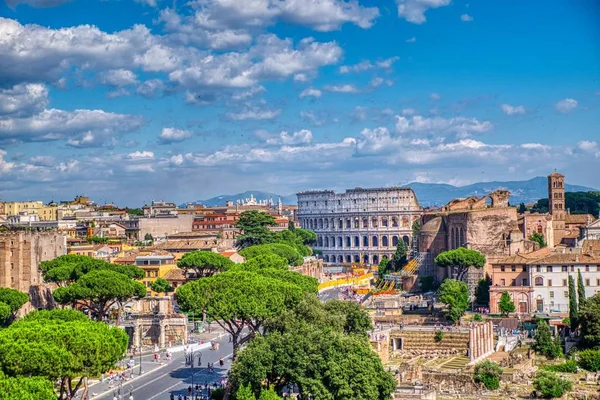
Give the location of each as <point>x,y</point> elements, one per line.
<point>513,282</point>
<point>587,282</point>
<point>551,295</point>
<point>538,268</point>
<point>502,268</point>
<point>564,268</point>
<point>564,282</point>
<point>513,268</point>
<point>549,282</point>
<point>587,268</point>
<point>524,282</point>
<point>524,269</point>
<point>549,268</point>
<point>502,282</point>
<point>597,282</point>
<point>12,266</point>
<point>566,294</point>
<point>572,268</point>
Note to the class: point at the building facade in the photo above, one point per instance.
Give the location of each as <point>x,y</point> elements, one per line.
<point>359,225</point>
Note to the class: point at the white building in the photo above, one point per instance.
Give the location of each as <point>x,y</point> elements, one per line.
<point>359,225</point>
<point>592,231</point>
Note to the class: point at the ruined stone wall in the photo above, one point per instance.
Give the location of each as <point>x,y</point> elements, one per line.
<point>21,253</point>
<point>488,230</point>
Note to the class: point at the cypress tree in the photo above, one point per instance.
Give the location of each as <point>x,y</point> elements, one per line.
<point>572,303</point>
<point>580,289</point>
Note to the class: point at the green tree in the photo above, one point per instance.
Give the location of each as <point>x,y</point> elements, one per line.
<point>244,393</point>
<point>522,208</point>
<point>264,261</point>
<point>580,290</point>
<point>383,267</point>
<point>26,388</point>
<point>543,343</point>
<point>281,249</point>
<point>306,283</point>
<point>589,360</point>
<point>268,395</point>
<point>416,227</point>
<point>61,347</point>
<point>400,255</point>
<point>239,301</point>
<point>161,285</point>
<point>354,320</point>
<point>482,293</point>
<point>549,385</point>
<point>99,290</point>
<point>459,260</point>
<point>573,309</point>
<point>489,373</point>
<point>539,239</point>
<point>11,301</point>
<point>148,237</point>
<point>590,321</point>
<point>204,263</point>
<point>506,304</point>
<point>541,206</point>
<point>455,295</point>
<point>254,226</point>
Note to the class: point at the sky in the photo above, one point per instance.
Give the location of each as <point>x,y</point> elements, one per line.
<point>129,101</point>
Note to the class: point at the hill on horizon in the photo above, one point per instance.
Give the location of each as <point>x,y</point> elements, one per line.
<point>430,194</point>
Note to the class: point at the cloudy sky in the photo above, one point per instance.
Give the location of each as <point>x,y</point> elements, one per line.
<point>128,101</point>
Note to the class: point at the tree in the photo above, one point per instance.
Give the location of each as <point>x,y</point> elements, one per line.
<point>539,239</point>
<point>148,237</point>
<point>11,301</point>
<point>26,388</point>
<point>204,263</point>
<point>549,385</point>
<point>543,343</point>
<point>306,283</point>
<point>59,345</point>
<point>355,321</point>
<point>590,321</point>
<point>580,290</point>
<point>589,360</point>
<point>161,285</point>
<point>506,304</point>
<point>244,393</point>
<point>459,260</point>
<point>482,293</point>
<point>280,249</point>
<point>268,395</point>
<point>264,261</point>
<point>455,295</point>
<point>573,310</point>
<point>383,266</point>
<point>239,301</point>
<point>400,255</point>
<point>99,290</point>
<point>135,211</point>
<point>522,208</point>
<point>254,226</point>
<point>489,373</point>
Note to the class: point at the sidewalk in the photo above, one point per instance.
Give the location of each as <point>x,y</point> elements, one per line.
<point>99,388</point>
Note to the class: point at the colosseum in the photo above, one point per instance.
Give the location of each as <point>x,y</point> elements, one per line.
<point>359,225</point>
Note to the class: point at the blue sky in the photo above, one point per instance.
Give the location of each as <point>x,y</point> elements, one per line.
<point>130,101</point>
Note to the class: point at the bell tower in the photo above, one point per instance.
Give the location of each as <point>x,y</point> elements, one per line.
<point>556,205</point>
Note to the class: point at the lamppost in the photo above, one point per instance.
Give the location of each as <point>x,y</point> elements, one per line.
<point>141,350</point>
<point>189,360</point>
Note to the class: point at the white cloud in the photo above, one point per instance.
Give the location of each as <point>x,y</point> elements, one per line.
<point>92,127</point>
<point>254,113</point>
<point>566,106</point>
<point>316,118</point>
<point>409,111</point>
<point>118,77</point>
<point>414,10</point>
<point>246,94</point>
<point>411,40</point>
<point>435,96</point>
<point>310,92</point>
<point>139,168</point>
<point>43,161</point>
<point>466,18</point>
<point>150,88</point>
<point>535,146</point>
<point>359,113</point>
<point>437,125</point>
<point>512,110</point>
<point>346,88</point>
<point>300,137</point>
<point>589,146</point>
<point>367,65</point>
<point>23,100</point>
<point>140,155</point>
<point>172,135</point>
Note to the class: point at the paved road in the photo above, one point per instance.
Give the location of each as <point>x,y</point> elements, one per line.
<point>174,377</point>
<point>331,294</point>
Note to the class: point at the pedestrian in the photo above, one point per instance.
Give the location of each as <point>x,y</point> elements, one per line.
<point>172,396</point>
<point>190,390</point>
<point>221,362</point>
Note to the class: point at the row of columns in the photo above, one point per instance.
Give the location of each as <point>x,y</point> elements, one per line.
<point>481,341</point>
<point>356,223</point>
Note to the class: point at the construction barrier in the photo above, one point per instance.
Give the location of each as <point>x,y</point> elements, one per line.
<point>357,280</point>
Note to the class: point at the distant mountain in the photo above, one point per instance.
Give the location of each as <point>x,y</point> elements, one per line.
<point>437,194</point>
<point>430,194</point>
<point>258,195</point>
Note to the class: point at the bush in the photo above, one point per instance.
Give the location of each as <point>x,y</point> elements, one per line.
<point>569,366</point>
<point>217,394</point>
<point>549,385</point>
<point>439,336</point>
<point>589,360</point>
<point>489,373</point>
<point>477,317</point>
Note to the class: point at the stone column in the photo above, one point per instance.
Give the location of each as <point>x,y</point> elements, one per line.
<point>162,335</point>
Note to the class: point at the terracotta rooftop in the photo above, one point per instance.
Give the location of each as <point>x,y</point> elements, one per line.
<point>228,253</point>
<point>582,219</point>
<point>193,244</point>
<point>176,274</point>
<point>524,258</point>
<point>192,234</point>
<point>568,259</point>
<point>591,245</point>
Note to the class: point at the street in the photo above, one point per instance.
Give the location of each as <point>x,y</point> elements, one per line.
<point>331,294</point>
<point>158,382</point>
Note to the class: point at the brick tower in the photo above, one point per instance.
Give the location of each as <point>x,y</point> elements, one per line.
<point>556,204</point>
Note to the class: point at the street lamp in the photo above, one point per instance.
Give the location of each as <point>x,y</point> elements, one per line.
<point>140,350</point>
<point>189,360</point>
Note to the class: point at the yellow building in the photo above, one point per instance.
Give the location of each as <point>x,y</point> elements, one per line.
<point>46,213</point>
<point>155,266</point>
